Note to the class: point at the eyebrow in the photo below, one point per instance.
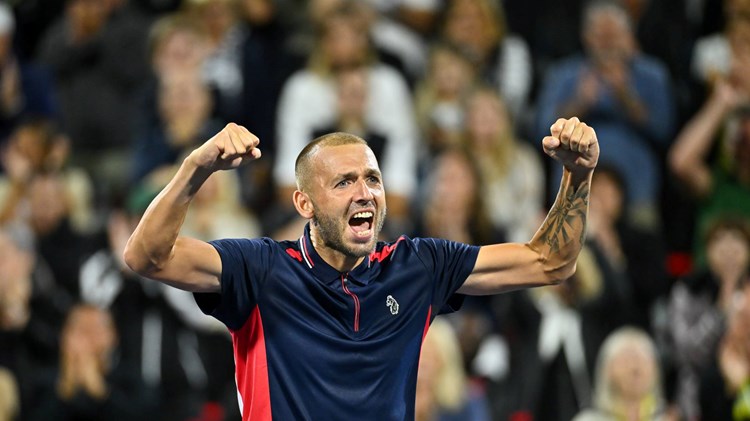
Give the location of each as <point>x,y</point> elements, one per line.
<point>368,172</point>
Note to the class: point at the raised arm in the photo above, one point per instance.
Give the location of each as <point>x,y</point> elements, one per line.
<point>156,250</point>
<point>550,257</point>
<point>687,158</point>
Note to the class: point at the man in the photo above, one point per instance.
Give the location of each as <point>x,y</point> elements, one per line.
<point>330,327</point>
<point>624,94</point>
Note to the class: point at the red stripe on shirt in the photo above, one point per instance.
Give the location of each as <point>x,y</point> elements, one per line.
<point>251,369</point>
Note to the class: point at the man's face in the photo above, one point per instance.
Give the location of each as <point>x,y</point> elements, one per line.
<point>348,198</point>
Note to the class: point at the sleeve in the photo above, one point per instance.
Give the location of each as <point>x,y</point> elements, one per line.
<point>244,264</point>
<point>449,264</point>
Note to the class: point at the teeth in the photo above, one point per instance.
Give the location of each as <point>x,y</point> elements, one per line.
<point>364,233</point>
<point>363,215</point>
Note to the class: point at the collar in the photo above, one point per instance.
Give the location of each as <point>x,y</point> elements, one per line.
<point>362,274</point>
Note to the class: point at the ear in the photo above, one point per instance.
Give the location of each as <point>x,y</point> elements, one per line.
<point>303,204</point>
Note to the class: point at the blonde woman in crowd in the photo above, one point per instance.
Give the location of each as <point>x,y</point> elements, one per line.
<point>502,59</point>
<point>627,384</point>
<point>443,392</point>
<point>440,96</point>
<point>511,170</point>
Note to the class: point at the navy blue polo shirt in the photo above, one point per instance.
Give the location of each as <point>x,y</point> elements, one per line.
<point>312,343</point>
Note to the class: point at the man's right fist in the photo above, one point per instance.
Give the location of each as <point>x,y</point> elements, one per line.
<point>232,147</point>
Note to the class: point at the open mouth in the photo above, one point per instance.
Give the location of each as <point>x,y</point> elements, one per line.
<point>361,223</point>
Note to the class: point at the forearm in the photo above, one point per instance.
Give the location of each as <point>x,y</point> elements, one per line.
<point>560,238</point>
<point>694,142</point>
<point>152,242</point>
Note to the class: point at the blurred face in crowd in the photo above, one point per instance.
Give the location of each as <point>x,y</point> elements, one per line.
<point>258,12</point>
<point>452,74</point>
<point>184,96</point>
<point>344,42</point>
<point>454,178</point>
<point>728,252</point>
<point>89,16</point>
<point>632,371</point>
<point>48,203</point>
<point>469,24</point>
<point>352,93</point>
<point>180,51</point>
<point>216,15</point>
<point>89,330</point>
<point>607,36</point>
<point>486,119</point>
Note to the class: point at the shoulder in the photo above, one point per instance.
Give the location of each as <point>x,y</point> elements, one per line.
<point>649,66</point>
<point>515,45</point>
<point>384,75</point>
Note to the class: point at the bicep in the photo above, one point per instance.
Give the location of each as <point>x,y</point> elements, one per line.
<point>194,265</point>
<point>505,267</point>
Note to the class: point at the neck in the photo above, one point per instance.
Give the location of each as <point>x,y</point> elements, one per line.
<point>336,259</point>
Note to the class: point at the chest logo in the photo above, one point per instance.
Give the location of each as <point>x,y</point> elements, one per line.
<point>392,304</point>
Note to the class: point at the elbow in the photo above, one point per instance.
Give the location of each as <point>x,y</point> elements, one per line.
<point>137,260</point>
<point>678,163</point>
<point>558,275</point>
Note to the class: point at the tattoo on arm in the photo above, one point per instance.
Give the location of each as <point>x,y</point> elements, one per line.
<point>566,219</point>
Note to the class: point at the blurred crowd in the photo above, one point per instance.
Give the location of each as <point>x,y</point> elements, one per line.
<point>100,100</point>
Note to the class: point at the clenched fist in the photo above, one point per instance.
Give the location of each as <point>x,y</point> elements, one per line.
<point>232,147</point>
<point>573,143</point>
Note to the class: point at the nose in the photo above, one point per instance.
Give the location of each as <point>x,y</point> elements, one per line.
<point>362,192</point>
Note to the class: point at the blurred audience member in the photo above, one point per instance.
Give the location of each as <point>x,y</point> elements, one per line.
<point>97,54</point>
<point>624,94</point>
<point>713,54</point>
<point>463,218</point>
<point>441,95</point>
<point>10,403</point>
<point>90,384</point>
<point>501,59</point>
<point>183,121</point>
<point>725,386</point>
<point>309,103</point>
<point>34,148</point>
<point>25,89</point>
<point>721,185</point>
<point>512,172</point>
<point>443,392</point>
<point>637,255</point>
<point>628,385</point>
<point>170,344</point>
<point>699,305</point>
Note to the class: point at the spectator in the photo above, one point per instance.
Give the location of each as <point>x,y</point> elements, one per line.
<point>308,103</point>
<point>624,94</point>
<point>712,54</point>
<point>89,383</point>
<point>720,185</point>
<point>724,386</point>
<point>37,147</point>
<point>443,392</point>
<point>502,60</point>
<point>628,384</point>
<point>441,95</point>
<point>513,172</point>
<point>97,55</point>
<point>25,89</point>
<point>184,119</point>
<point>464,218</point>
<point>698,307</point>
<point>169,344</point>
<point>636,255</point>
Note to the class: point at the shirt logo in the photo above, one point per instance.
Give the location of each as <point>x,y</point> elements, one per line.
<point>392,304</point>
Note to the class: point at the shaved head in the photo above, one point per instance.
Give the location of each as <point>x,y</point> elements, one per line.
<point>303,168</point>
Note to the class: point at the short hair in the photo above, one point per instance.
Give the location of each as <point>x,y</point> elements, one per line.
<point>592,10</point>
<point>303,167</point>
